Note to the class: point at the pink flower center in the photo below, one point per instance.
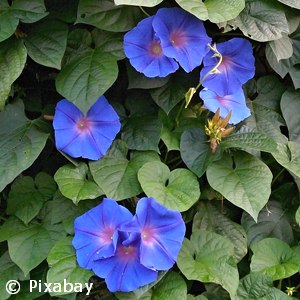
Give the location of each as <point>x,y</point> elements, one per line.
<point>178,38</point>
<point>148,235</point>
<point>155,48</point>
<point>106,235</point>
<point>83,124</point>
<point>226,62</point>
<point>127,252</point>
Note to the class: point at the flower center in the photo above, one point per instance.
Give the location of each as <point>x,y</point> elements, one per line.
<point>148,236</point>
<point>106,235</point>
<point>226,62</point>
<point>83,124</point>
<point>127,252</point>
<point>155,48</point>
<point>178,38</point>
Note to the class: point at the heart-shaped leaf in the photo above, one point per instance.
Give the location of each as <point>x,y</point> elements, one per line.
<point>20,142</point>
<point>208,257</point>
<point>242,179</point>
<point>116,175</point>
<point>177,190</point>
<point>73,183</point>
<point>13,57</point>
<point>275,258</point>
<point>86,77</point>
<point>47,42</point>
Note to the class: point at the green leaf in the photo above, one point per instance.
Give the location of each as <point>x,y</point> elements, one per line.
<point>20,142</point>
<point>47,42</point>
<point>61,210</point>
<point>275,258</point>
<point>79,40</point>
<point>208,257</point>
<point>257,286</point>
<point>73,183</point>
<point>142,293</point>
<point>12,61</point>
<point>109,42</point>
<point>116,175</point>
<point>271,222</point>
<point>289,104</point>
<point>216,11</point>
<point>285,66</point>
<point>249,140</point>
<point>294,73</point>
<point>211,219</point>
<point>84,79</point>
<point>9,270</point>
<point>171,287</point>
<point>142,132</point>
<point>63,266</point>
<point>26,199</point>
<point>267,121</point>
<point>29,11</point>
<point>195,150</point>
<point>29,247</point>
<point>167,96</point>
<point>249,176</point>
<point>177,190</point>
<point>291,3</point>
<point>11,227</point>
<point>288,155</point>
<point>104,14</point>
<point>282,48</point>
<point>262,20</point>
<point>270,90</point>
<point>149,3</point>
<point>138,80</point>
<point>8,23</point>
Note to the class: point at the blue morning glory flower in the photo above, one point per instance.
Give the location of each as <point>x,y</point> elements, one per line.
<point>161,230</point>
<point>237,67</point>
<point>128,251</point>
<point>87,136</point>
<point>123,271</point>
<point>183,36</point>
<point>95,232</point>
<point>235,103</point>
<point>143,48</point>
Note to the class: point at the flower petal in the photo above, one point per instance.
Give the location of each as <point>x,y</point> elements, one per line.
<point>95,232</point>
<point>162,231</point>
<point>235,103</point>
<point>143,49</point>
<point>123,272</point>
<point>66,115</point>
<point>182,36</point>
<point>237,67</point>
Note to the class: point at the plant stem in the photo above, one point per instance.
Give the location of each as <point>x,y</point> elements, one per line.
<point>141,8</point>
<point>277,176</point>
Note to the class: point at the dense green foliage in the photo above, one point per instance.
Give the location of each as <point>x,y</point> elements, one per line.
<point>240,203</point>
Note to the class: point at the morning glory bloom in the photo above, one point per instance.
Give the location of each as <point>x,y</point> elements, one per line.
<point>235,103</point>
<point>87,136</point>
<point>161,231</point>
<point>128,251</point>
<point>123,271</point>
<point>143,48</point>
<point>95,232</point>
<point>237,67</point>
<point>183,36</point>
